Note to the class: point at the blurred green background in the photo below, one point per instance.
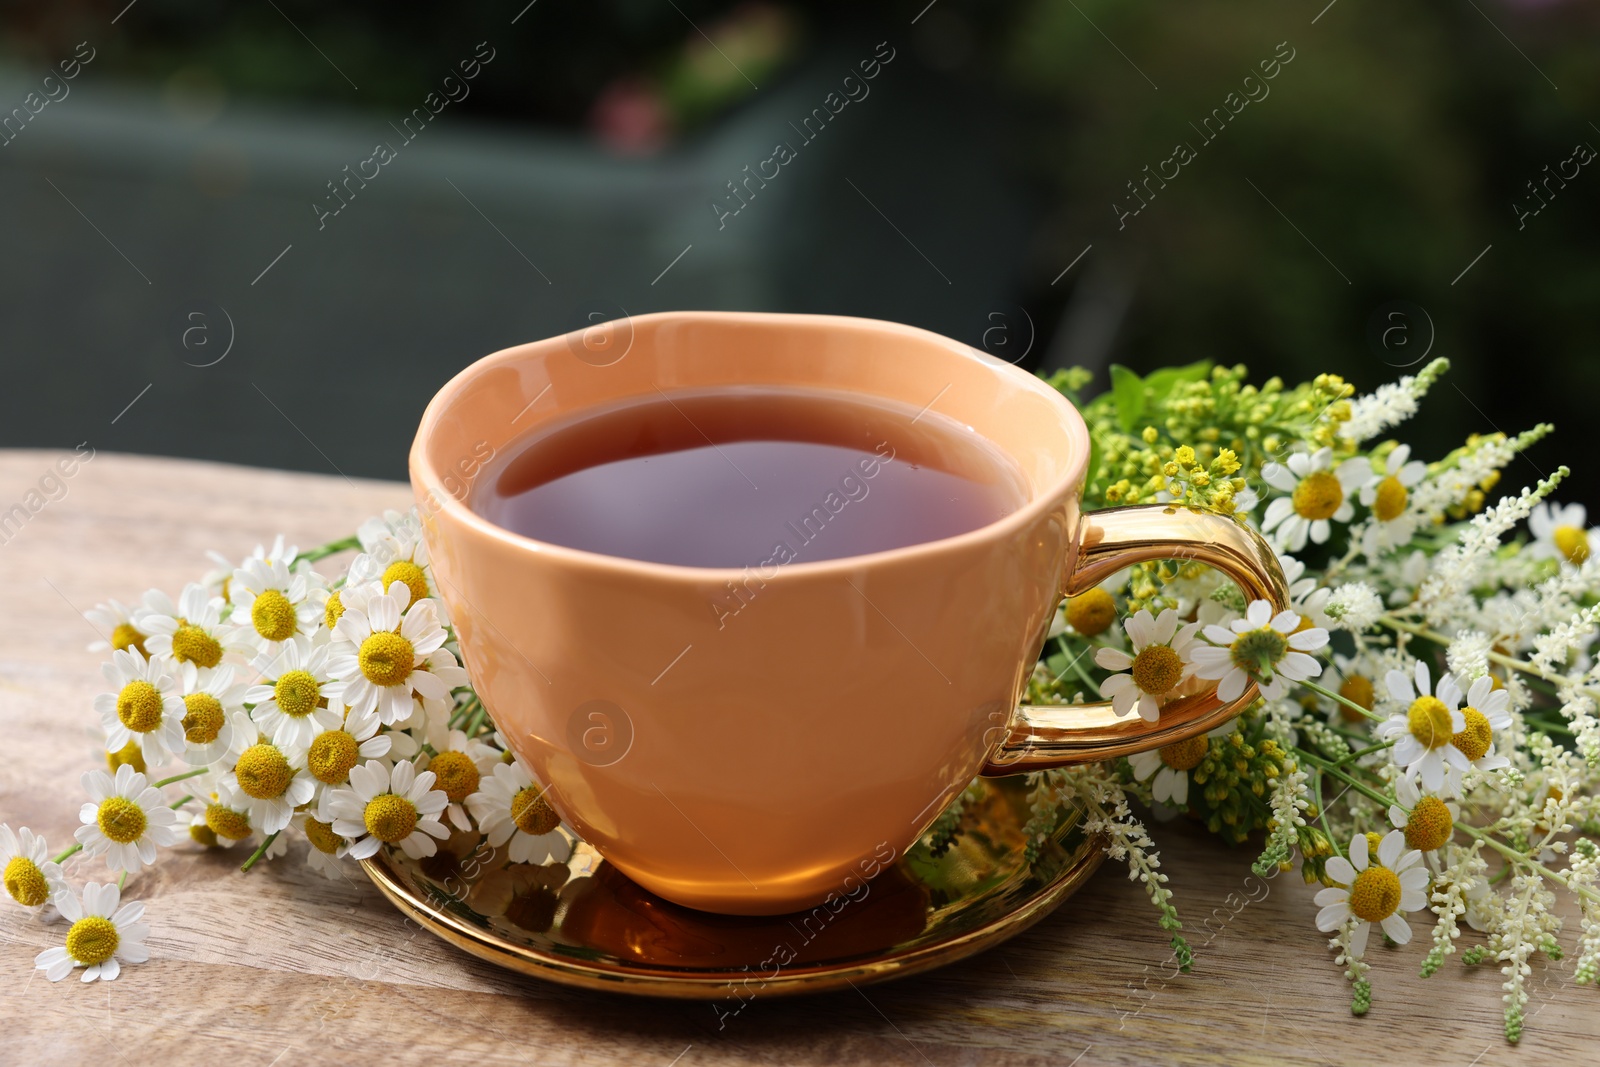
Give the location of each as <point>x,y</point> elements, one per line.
<point>1372,204</point>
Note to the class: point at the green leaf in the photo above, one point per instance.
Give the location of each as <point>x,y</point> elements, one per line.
<point>1127,391</point>
<point>1161,383</point>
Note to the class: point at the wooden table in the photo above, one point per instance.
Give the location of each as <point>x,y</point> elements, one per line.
<point>283,967</point>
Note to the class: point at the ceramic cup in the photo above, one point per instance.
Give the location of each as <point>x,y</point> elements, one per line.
<point>765,763</point>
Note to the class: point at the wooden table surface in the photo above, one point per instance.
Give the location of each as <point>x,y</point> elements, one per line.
<point>283,967</point>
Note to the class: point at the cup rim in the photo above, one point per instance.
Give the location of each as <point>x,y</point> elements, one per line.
<point>425,478</point>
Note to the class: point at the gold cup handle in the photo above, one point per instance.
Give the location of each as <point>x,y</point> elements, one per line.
<point>1045,736</point>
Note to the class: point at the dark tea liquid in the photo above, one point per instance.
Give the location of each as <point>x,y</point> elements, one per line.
<point>743,477</point>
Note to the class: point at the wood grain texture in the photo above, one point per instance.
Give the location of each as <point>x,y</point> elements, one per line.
<point>283,967</point>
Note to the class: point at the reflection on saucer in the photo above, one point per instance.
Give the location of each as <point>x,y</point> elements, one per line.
<point>580,921</point>
<point>613,913</point>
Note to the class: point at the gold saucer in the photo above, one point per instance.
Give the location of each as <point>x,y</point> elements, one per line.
<point>583,923</point>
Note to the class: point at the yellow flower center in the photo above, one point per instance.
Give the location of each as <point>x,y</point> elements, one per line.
<point>1186,755</point>
<point>332,610</point>
<point>403,570</point>
<point>273,616</point>
<point>1572,542</point>
<point>26,882</point>
<point>227,590</point>
<point>1256,652</point>
<point>1092,612</point>
<point>1157,669</point>
<point>390,818</point>
<point>532,812</point>
<point>322,837</point>
<point>202,718</point>
<point>121,819</point>
<point>1358,690</point>
<point>130,753</point>
<point>1429,722</point>
<point>386,658</point>
<point>1376,894</point>
<point>1475,736</point>
<point>139,706</point>
<point>297,694</point>
<point>1391,499</point>
<point>1429,825</point>
<point>193,645</point>
<point>1374,839</point>
<point>332,755</point>
<point>263,772</point>
<point>126,636</point>
<point>225,822</point>
<point>92,940</point>
<point>1318,496</point>
<point>203,835</point>
<point>458,775</point>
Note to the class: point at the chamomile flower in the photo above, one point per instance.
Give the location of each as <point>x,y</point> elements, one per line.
<point>276,604</point>
<point>1355,685</point>
<point>200,833</point>
<point>227,814</point>
<point>1393,522</point>
<point>326,848</point>
<point>1318,493</point>
<point>219,579</point>
<point>394,654</point>
<point>1159,664</point>
<point>345,739</point>
<point>294,686</point>
<point>459,766</point>
<point>512,810</point>
<point>1488,716</point>
<point>1264,648</point>
<point>1424,732</point>
<point>1559,532</point>
<point>271,782</point>
<point>31,876</point>
<point>523,894</point>
<point>125,819</point>
<point>1428,822</point>
<point>1170,765</point>
<point>1306,596</point>
<point>395,552</point>
<point>385,806</point>
<point>115,619</point>
<point>145,707</point>
<point>190,631</point>
<point>1374,892</point>
<point>215,724</point>
<point>103,936</point>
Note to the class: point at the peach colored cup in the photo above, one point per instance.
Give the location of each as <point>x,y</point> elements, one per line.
<point>766,765</point>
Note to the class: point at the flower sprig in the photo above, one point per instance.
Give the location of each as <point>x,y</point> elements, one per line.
<point>1452,761</point>
<point>284,702</point>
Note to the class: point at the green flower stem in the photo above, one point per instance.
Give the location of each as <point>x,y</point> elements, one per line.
<point>69,851</point>
<point>122,879</point>
<point>1330,768</point>
<point>1522,860</point>
<point>1496,657</point>
<point>1322,815</point>
<point>1352,705</point>
<point>180,803</point>
<point>1369,750</point>
<point>258,853</point>
<point>180,777</point>
<point>344,544</point>
<point>464,712</point>
<point>1075,664</point>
